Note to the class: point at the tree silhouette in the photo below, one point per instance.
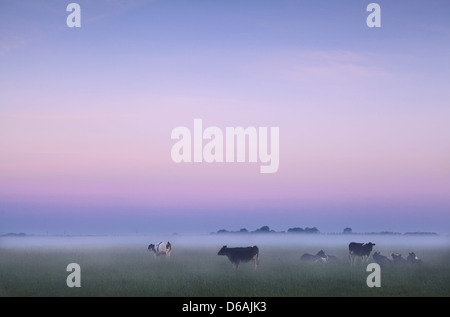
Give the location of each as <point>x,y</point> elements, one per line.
<point>348,230</point>
<point>263,229</point>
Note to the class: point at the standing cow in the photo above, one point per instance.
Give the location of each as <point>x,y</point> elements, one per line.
<point>359,249</point>
<point>240,254</point>
<point>162,248</point>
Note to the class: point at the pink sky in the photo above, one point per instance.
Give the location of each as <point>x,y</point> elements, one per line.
<point>86,115</point>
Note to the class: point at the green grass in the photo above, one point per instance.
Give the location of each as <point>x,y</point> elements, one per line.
<point>132,271</point>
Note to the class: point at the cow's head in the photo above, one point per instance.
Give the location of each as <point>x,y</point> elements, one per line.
<point>222,251</point>
<point>151,247</point>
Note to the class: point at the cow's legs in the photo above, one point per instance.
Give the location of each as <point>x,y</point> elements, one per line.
<point>255,261</point>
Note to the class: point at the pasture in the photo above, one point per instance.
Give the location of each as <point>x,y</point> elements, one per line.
<point>124,267</point>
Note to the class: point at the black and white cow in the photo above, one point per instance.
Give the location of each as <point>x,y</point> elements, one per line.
<point>240,254</point>
<point>320,257</point>
<point>413,259</point>
<point>381,259</point>
<point>359,249</point>
<point>162,248</point>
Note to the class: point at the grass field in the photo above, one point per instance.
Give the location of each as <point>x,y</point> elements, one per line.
<point>195,270</point>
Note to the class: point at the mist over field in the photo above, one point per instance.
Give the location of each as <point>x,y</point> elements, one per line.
<point>122,266</point>
<point>230,239</point>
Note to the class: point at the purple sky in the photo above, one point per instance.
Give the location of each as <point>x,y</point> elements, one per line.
<point>86,115</point>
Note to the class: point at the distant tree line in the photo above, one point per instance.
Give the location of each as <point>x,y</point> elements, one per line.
<point>301,230</point>
<point>13,234</point>
<point>420,233</point>
<point>314,230</point>
<point>266,229</point>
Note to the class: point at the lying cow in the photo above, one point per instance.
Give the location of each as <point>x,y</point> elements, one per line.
<point>397,258</point>
<point>240,254</point>
<point>331,258</point>
<point>413,259</point>
<point>320,257</point>
<point>162,248</point>
<point>359,249</point>
<point>381,259</point>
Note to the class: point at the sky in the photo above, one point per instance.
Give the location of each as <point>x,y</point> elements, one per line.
<point>86,115</point>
